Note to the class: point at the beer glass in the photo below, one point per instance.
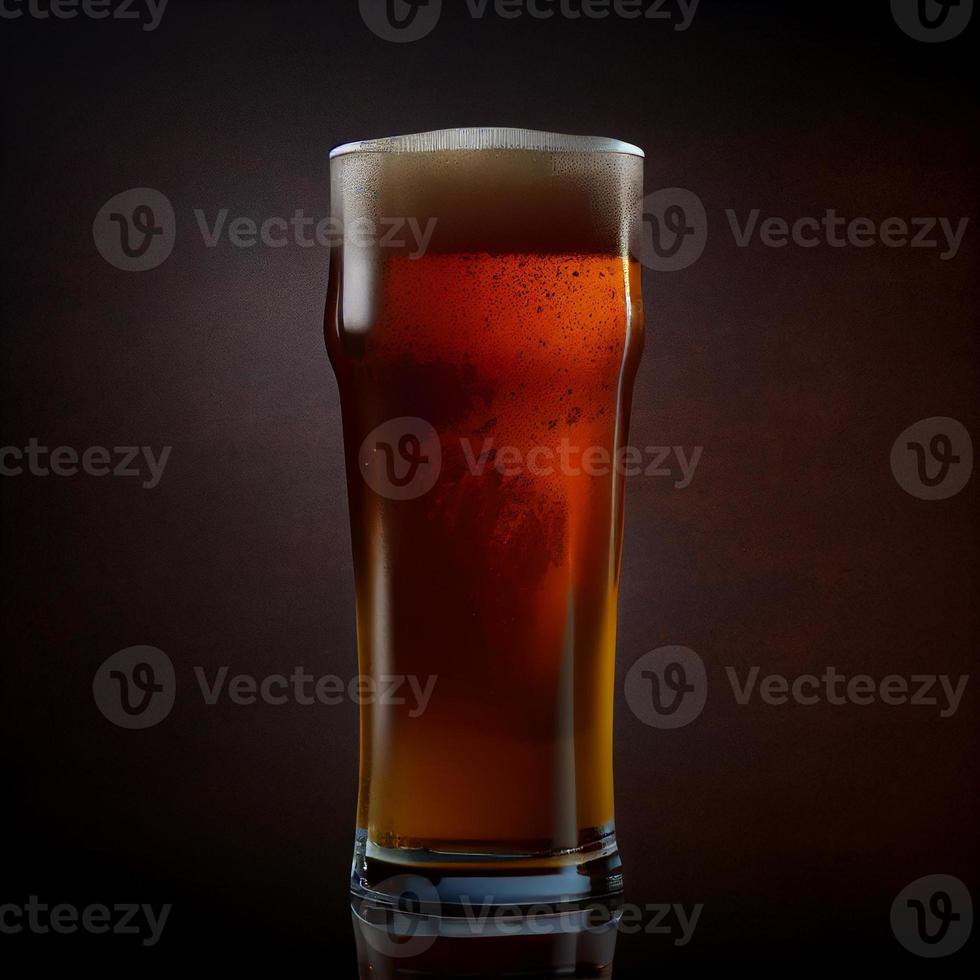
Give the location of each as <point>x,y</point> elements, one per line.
<point>484,321</point>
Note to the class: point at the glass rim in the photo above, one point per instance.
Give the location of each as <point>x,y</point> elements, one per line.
<point>488,138</point>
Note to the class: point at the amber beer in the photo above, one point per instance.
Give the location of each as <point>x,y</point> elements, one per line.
<point>484,379</point>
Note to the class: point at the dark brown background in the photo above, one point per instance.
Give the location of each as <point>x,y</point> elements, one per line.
<point>793,549</point>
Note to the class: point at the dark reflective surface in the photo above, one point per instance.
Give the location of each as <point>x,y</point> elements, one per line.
<point>538,942</point>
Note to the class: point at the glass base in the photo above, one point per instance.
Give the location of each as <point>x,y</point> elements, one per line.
<point>454,883</point>
<point>579,942</point>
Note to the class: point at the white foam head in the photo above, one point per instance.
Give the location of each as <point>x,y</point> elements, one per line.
<point>492,189</point>
<point>488,138</point>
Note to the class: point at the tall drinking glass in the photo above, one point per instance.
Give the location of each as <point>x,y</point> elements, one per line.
<point>484,321</point>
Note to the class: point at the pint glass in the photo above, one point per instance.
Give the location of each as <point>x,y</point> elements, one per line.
<point>484,321</point>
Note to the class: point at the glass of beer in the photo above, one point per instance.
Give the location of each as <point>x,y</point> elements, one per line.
<point>485,321</point>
